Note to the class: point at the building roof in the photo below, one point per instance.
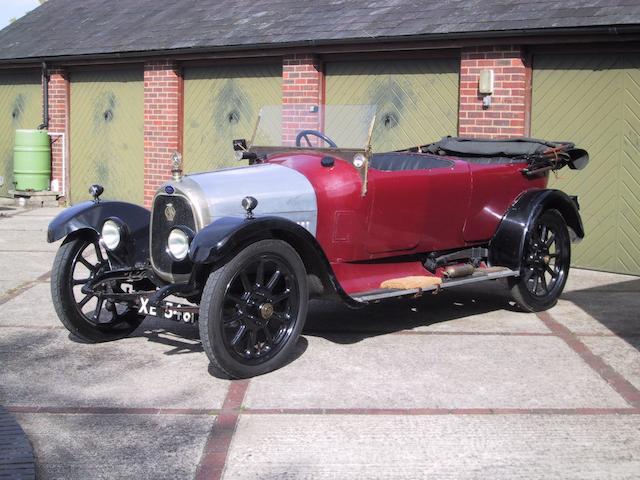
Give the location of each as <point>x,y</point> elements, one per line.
<point>67,28</point>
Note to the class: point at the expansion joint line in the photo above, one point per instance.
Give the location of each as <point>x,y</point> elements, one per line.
<point>621,385</point>
<point>216,449</point>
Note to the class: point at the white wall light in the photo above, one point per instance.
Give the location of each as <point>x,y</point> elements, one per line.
<point>485,87</point>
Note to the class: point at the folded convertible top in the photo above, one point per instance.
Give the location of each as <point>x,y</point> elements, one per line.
<point>472,147</point>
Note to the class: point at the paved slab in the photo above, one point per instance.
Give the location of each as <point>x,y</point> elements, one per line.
<point>623,354</point>
<point>26,223</point>
<point>18,268</point>
<point>606,312</point>
<point>32,308</point>
<point>26,241</point>
<point>448,447</point>
<point>24,253</point>
<point>8,209</point>
<point>424,371</point>
<point>581,279</point>
<point>84,447</point>
<point>154,368</point>
<point>49,212</point>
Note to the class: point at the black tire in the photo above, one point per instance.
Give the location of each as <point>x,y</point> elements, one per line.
<point>546,260</point>
<point>253,310</point>
<point>88,317</point>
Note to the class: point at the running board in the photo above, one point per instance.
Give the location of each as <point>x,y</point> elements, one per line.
<point>478,276</point>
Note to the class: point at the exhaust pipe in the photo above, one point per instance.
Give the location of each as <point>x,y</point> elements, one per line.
<point>456,271</point>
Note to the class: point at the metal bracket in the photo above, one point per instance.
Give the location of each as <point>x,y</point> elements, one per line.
<point>475,254</point>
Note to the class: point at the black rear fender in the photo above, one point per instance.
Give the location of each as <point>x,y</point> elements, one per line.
<point>507,245</point>
<point>88,217</point>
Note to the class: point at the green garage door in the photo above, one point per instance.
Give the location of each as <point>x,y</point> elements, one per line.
<point>416,100</point>
<point>107,116</point>
<point>222,103</point>
<point>594,101</point>
<point>20,107</point>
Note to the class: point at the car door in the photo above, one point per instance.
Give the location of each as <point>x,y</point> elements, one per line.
<point>418,210</point>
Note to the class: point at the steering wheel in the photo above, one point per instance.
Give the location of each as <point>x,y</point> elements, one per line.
<point>305,134</point>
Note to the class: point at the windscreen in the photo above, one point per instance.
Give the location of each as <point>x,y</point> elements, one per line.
<point>304,126</point>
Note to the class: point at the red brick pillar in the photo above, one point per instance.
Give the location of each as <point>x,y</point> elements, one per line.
<point>163,92</point>
<point>59,128</point>
<point>507,115</point>
<point>302,95</point>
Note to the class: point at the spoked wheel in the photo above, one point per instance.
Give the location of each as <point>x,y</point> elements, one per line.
<point>253,309</point>
<point>545,264</point>
<point>91,317</point>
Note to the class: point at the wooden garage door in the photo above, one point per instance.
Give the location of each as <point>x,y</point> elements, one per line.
<point>594,101</point>
<point>416,100</point>
<point>107,134</point>
<point>222,103</point>
<point>20,107</point>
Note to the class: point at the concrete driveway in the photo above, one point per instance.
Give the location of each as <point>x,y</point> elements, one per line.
<point>456,385</point>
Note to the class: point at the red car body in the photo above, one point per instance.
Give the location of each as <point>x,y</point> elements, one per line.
<point>405,212</point>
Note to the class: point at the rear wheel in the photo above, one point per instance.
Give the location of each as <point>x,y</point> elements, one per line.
<point>546,260</point>
<point>253,309</point>
<point>90,317</point>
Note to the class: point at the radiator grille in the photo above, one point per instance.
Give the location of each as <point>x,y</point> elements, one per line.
<point>161,225</point>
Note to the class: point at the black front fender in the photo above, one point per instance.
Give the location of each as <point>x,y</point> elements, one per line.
<point>89,216</point>
<point>507,245</point>
<point>225,237</point>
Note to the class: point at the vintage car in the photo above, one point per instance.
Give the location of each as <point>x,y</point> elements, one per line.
<point>240,251</point>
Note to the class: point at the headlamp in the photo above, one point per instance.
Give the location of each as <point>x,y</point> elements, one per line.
<point>111,234</point>
<point>178,244</point>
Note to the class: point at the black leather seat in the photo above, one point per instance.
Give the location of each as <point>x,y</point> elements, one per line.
<point>492,160</point>
<point>397,161</point>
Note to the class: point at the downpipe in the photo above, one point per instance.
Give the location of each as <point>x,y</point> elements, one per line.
<point>45,98</point>
<point>54,136</point>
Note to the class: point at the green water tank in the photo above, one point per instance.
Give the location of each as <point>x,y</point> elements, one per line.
<point>32,160</point>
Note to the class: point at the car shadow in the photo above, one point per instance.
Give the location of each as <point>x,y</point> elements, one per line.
<point>614,306</point>
<point>181,338</point>
<point>184,338</point>
<point>340,324</point>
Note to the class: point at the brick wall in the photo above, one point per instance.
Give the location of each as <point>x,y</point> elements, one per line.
<point>302,94</point>
<point>507,115</point>
<point>163,103</point>
<point>59,123</point>
<point>302,99</point>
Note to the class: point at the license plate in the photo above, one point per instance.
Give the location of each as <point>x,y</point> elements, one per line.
<point>168,310</point>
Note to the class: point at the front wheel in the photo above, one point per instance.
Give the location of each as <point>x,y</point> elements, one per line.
<point>253,309</point>
<point>90,317</point>
<point>547,255</point>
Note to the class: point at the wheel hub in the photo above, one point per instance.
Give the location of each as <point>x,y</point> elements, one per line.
<point>266,310</point>
<point>539,257</point>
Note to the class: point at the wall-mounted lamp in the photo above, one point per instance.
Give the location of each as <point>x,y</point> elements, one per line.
<point>485,87</point>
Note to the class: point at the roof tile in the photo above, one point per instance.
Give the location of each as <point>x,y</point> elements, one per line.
<point>70,28</point>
